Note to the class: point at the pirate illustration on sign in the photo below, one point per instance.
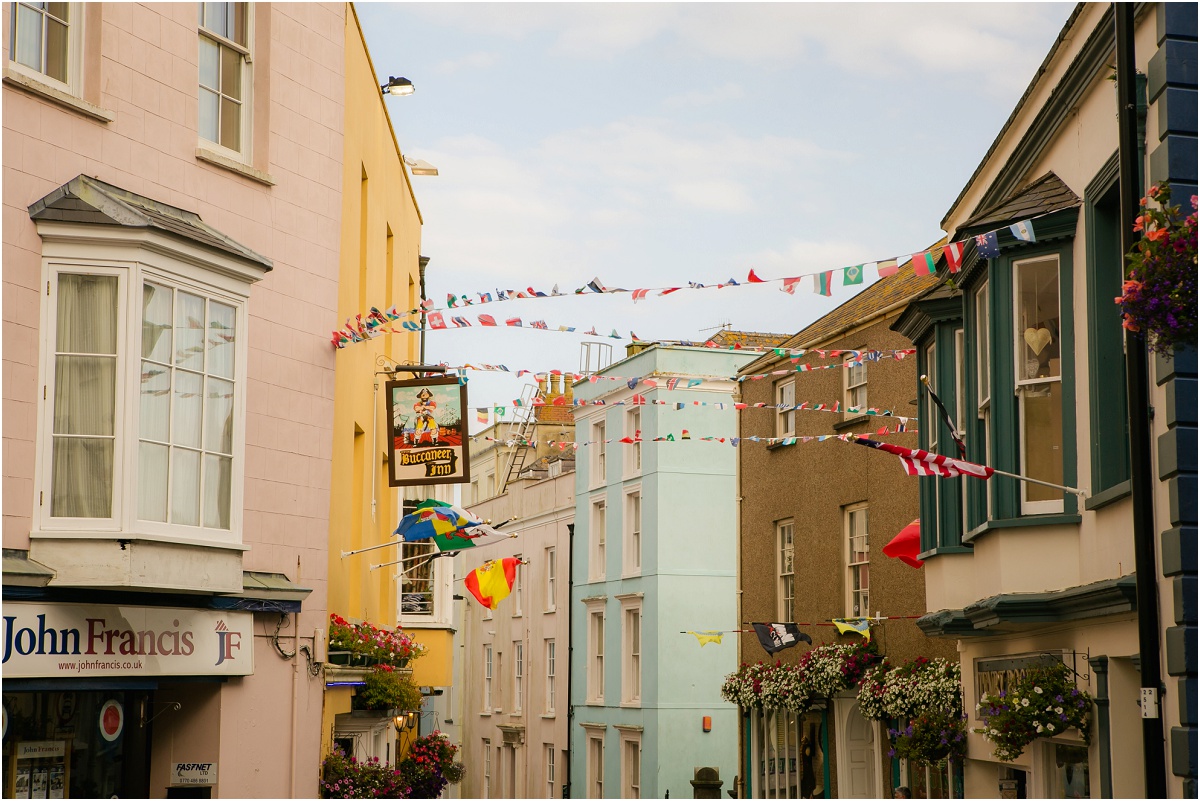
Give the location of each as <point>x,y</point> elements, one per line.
<point>425,420</point>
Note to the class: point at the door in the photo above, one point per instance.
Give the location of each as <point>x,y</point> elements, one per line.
<point>856,758</point>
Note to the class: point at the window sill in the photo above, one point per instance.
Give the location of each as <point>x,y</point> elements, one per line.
<point>485,714</point>
<point>1022,522</point>
<point>410,623</point>
<point>631,704</point>
<point>212,157</point>
<point>595,702</point>
<point>1110,495</point>
<point>549,611</point>
<point>56,95</point>
<point>131,536</point>
<point>942,550</point>
<point>853,421</point>
<point>549,716</point>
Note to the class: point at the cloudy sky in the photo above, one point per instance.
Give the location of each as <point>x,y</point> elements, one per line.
<point>653,144</point>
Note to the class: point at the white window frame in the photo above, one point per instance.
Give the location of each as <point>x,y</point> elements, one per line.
<point>854,591</point>
<point>1024,385</point>
<point>854,380</point>
<point>785,421</point>
<point>442,588</point>
<point>599,461</point>
<point>551,558</point>
<point>518,590</point>
<point>983,380</point>
<point>551,779</point>
<point>75,34</point>
<point>785,569</point>
<point>598,537</point>
<point>631,650</point>
<point>633,453</point>
<point>487,768</point>
<point>551,649</point>
<point>595,764</point>
<point>488,675</point>
<point>631,548</point>
<point>596,633</point>
<point>135,256</point>
<point>242,155</point>
<point>631,769</point>
<point>518,676</point>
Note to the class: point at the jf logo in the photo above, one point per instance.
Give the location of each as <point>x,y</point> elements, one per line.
<point>227,642</point>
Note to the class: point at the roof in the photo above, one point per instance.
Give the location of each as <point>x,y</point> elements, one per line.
<point>20,570</point>
<point>747,339</point>
<point>264,592</point>
<point>91,201</point>
<point>1044,195</point>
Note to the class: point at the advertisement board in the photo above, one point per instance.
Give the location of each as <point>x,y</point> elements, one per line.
<point>46,640</point>
<point>428,428</point>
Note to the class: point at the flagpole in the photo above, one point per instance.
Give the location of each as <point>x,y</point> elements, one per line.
<point>371,548</point>
<point>1073,490</point>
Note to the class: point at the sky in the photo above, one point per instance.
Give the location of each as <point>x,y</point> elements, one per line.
<point>656,144</point>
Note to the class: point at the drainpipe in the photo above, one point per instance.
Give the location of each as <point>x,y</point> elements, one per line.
<point>566,792</point>
<point>422,261</point>
<point>1138,381</point>
<point>1103,729</point>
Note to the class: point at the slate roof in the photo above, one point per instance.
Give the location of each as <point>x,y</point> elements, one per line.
<point>1043,196</point>
<point>747,339</point>
<point>89,200</point>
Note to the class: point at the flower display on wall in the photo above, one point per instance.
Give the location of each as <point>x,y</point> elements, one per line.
<point>377,645</point>
<point>820,674</point>
<point>910,689</point>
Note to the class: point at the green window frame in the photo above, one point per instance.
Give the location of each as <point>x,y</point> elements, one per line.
<point>1108,422</point>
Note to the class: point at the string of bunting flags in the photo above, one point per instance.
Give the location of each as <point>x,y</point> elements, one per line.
<point>373,322</point>
<point>686,436</point>
<point>775,637</point>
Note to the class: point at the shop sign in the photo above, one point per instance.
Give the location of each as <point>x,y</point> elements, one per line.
<point>185,774</point>
<point>41,749</point>
<point>428,432</point>
<point>112,720</point>
<point>64,640</point>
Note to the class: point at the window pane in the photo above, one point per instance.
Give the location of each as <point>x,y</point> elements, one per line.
<point>231,124</point>
<point>59,11</point>
<point>218,416</point>
<point>152,482</point>
<point>87,314</point>
<point>82,478</point>
<point>186,417</point>
<point>1043,440</point>
<point>155,415</point>
<point>218,477</point>
<point>29,38</point>
<point>1037,320</point>
<point>56,49</point>
<point>983,349</point>
<point>237,23</point>
<point>84,394</point>
<point>156,323</point>
<point>189,331</point>
<point>231,73</point>
<point>185,487</point>
<point>209,105</point>
<point>214,18</point>
<point>221,337</point>
<point>210,56</point>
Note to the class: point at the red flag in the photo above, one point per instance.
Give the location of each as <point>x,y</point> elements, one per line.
<point>917,462</point>
<point>435,320</point>
<point>513,321</point>
<point>789,285</point>
<point>753,279</point>
<point>487,319</point>
<point>906,545</point>
<point>954,253</point>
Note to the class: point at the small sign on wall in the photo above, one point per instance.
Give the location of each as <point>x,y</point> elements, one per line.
<point>193,774</point>
<point>428,430</point>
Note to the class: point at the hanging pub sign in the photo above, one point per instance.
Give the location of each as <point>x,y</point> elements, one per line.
<point>428,431</point>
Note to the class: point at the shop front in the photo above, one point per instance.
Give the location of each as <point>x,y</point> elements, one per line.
<point>86,688</point>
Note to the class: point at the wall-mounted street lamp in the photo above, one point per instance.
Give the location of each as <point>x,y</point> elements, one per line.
<point>420,166</point>
<point>405,721</point>
<point>398,86</point>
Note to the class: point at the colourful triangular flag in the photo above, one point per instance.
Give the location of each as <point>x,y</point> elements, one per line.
<point>859,625</point>
<point>852,275</point>
<point>823,283</point>
<point>752,279</point>
<point>887,267</point>
<point>1023,231</point>
<point>923,263</point>
<point>954,253</point>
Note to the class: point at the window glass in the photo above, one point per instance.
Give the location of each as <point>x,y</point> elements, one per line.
<point>856,384</point>
<point>787,577</point>
<point>858,562</point>
<point>40,38</point>
<point>785,396</point>
<point>1039,384</point>
<point>222,60</point>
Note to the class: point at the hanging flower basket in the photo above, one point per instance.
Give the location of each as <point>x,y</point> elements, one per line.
<point>910,689</point>
<point>368,644</point>
<point>820,674</point>
<point>1159,295</point>
<point>338,657</point>
<point>931,738</point>
<point>1043,703</point>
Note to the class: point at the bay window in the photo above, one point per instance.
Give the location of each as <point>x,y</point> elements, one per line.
<point>1038,373</point>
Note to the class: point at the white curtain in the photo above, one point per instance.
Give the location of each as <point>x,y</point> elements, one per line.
<point>84,396</point>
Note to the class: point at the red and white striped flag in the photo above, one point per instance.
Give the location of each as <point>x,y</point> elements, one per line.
<point>917,462</point>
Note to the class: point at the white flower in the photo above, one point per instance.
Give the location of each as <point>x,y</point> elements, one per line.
<point>1039,729</point>
<point>1058,710</point>
<point>1049,726</point>
<point>1037,690</point>
<point>1024,702</point>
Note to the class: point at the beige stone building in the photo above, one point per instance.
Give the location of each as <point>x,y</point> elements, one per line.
<point>813,519</point>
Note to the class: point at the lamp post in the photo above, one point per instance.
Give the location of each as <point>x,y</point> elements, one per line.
<point>398,86</point>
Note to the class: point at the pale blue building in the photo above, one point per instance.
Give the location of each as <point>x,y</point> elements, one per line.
<point>653,556</point>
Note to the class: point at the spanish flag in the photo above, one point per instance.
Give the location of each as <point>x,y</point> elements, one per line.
<point>492,583</point>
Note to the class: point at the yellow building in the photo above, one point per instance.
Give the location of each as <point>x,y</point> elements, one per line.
<point>380,266</point>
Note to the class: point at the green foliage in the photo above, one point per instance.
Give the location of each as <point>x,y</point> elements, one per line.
<point>387,689</point>
<point>931,737</point>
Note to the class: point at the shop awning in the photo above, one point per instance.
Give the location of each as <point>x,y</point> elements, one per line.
<point>264,592</point>
<point>906,545</point>
<point>21,571</point>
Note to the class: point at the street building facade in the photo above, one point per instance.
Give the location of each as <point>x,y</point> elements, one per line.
<point>172,191</point>
<point>653,557</point>
<point>813,519</point>
<point>1026,350</point>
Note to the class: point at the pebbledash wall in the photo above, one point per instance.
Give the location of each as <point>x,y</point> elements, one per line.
<point>114,157</point>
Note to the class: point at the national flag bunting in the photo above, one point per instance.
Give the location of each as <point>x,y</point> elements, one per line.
<point>1023,231</point>
<point>852,275</point>
<point>435,320</point>
<point>859,625</point>
<point>481,415</point>
<point>774,637</point>
<point>823,283</point>
<point>923,263</point>
<point>917,462</point>
<point>988,245</point>
<point>789,285</point>
<point>491,583</point>
<point>513,321</point>
<point>753,279</point>
<point>461,322</point>
<point>487,319</point>
<point>705,637</point>
<point>954,254</point>
<point>888,267</point>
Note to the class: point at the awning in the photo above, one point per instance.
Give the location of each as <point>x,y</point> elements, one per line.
<point>906,545</point>
<point>21,571</point>
<point>264,592</point>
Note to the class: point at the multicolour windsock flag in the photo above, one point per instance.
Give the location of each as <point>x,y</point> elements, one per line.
<point>433,518</point>
<point>491,583</point>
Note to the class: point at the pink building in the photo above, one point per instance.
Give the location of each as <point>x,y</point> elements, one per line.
<point>172,196</point>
